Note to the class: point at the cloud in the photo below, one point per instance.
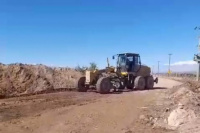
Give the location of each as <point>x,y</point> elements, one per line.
<point>180,63</point>
<point>182,66</point>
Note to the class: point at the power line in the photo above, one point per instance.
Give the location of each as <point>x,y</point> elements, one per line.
<point>169,71</point>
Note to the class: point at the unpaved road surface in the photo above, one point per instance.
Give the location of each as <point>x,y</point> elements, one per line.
<point>73,112</point>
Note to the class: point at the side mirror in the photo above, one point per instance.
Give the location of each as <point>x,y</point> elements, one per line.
<point>113,57</point>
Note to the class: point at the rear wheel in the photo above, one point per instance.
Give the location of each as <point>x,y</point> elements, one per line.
<point>80,84</point>
<point>139,83</point>
<point>149,82</point>
<point>103,85</point>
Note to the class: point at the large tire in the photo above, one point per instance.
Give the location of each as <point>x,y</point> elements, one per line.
<point>139,82</point>
<point>103,85</point>
<point>149,82</point>
<point>80,84</point>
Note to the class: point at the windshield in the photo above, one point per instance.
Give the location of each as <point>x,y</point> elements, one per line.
<point>121,60</point>
<point>130,58</point>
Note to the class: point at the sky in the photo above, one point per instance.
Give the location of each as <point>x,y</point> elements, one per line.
<point>77,32</point>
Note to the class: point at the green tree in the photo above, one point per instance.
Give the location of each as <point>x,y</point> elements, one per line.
<point>81,68</point>
<point>93,66</point>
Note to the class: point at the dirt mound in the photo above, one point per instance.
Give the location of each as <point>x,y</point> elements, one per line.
<point>18,79</point>
<point>180,116</point>
<point>187,113</point>
<point>192,127</point>
<point>178,109</point>
<point>186,96</point>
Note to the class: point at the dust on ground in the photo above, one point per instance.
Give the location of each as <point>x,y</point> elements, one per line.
<point>84,112</point>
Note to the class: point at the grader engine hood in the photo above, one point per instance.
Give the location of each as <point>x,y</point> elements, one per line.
<point>144,71</point>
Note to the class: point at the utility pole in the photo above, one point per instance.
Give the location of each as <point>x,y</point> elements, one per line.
<point>158,68</point>
<point>169,71</point>
<point>198,61</point>
<point>197,57</point>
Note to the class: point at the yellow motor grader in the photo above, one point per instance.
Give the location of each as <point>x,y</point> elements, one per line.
<point>128,73</point>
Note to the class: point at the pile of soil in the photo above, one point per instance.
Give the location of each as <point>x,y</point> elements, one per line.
<point>181,116</point>
<point>177,109</point>
<point>17,79</point>
<point>186,97</point>
<point>187,111</point>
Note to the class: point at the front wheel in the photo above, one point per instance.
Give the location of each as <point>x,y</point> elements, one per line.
<point>80,84</point>
<point>103,85</point>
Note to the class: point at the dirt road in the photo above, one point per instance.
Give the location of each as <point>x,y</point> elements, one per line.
<point>73,112</point>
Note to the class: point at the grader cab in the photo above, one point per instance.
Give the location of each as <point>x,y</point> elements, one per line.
<point>129,73</point>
